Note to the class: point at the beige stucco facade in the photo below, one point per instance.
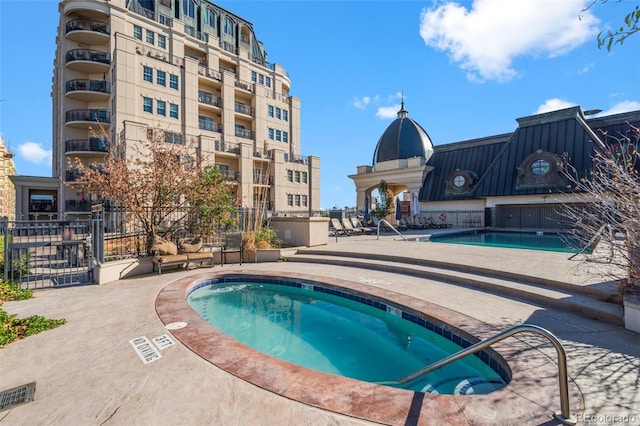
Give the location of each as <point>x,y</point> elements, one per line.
<point>192,69</point>
<point>7,191</point>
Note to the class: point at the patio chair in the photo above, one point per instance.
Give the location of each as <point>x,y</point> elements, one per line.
<point>232,244</point>
<point>346,223</point>
<point>338,229</point>
<point>358,225</point>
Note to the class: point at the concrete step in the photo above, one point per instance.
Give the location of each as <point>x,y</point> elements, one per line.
<point>566,298</point>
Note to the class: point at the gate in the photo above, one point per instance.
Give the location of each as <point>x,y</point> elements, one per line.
<point>51,253</point>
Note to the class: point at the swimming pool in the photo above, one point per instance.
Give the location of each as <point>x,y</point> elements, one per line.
<point>336,331</point>
<point>544,241</point>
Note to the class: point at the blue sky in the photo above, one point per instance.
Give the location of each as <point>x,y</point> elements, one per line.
<point>466,69</point>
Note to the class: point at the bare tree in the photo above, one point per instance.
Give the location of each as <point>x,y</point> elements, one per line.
<point>158,183</point>
<point>613,214</point>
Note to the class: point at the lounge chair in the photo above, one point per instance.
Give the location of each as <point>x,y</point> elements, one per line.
<point>346,223</point>
<point>358,225</point>
<point>337,228</point>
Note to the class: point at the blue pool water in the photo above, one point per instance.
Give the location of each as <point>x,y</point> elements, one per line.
<point>331,333</point>
<point>519,240</point>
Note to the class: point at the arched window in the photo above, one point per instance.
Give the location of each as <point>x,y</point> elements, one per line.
<point>228,26</point>
<point>540,167</point>
<point>189,8</point>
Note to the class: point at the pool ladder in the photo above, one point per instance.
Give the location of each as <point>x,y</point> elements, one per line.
<point>563,416</point>
<point>381,221</point>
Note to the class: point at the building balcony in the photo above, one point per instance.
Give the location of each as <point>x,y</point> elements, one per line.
<point>87,31</point>
<point>243,109</point>
<point>210,73</point>
<point>244,85</point>
<point>209,100</point>
<point>90,146</point>
<point>230,175</point>
<point>77,206</point>
<point>73,175</point>
<point>88,60</point>
<point>299,159</point>
<point>244,133</point>
<point>86,118</point>
<point>88,90</point>
<point>227,147</point>
<point>210,126</point>
<point>89,10</point>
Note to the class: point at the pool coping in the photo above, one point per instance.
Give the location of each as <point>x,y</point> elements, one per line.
<point>531,396</point>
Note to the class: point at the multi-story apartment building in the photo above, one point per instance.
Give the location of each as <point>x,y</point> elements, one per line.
<point>7,191</point>
<point>125,67</point>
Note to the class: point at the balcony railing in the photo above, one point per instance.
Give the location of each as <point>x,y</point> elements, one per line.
<point>209,99</point>
<point>99,115</point>
<point>228,47</point>
<point>211,126</point>
<point>77,205</point>
<point>208,72</point>
<point>89,145</point>
<point>244,133</point>
<point>150,14</point>
<point>299,159</point>
<point>88,55</point>
<point>243,109</point>
<point>87,25</point>
<point>244,85</point>
<point>73,175</point>
<point>222,146</point>
<point>88,85</point>
<point>262,180</point>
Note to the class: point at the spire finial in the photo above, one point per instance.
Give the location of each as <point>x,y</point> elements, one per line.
<point>403,112</point>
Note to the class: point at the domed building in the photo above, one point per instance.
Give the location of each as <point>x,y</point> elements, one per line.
<point>514,180</point>
<point>400,159</point>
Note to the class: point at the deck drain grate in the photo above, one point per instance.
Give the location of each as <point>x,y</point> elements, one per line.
<point>16,396</point>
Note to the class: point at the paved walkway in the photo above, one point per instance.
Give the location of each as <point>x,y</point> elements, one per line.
<point>88,373</point>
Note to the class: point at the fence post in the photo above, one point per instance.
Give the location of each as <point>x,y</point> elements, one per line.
<point>4,225</point>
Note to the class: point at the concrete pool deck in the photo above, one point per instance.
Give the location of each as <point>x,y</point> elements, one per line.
<point>87,372</point>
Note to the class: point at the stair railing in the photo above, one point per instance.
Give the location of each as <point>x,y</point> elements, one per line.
<point>381,221</point>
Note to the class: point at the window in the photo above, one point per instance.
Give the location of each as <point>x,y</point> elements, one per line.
<point>228,26</point>
<point>210,18</point>
<point>147,74</point>
<point>189,8</point>
<point>304,177</point>
<point>459,181</point>
<point>151,37</point>
<point>147,104</point>
<point>285,115</point>
<point>205,123</point>
<point>173,110</point>
<point>278,111</point>
<point>297,200</point>
<point>278,135</point>
<point>162,41</point>
<point>290,175</point>
<point>286,157</point>
<point>173,81</point>
<point>161,78</point>
<point>254,76</point>
<point>261,79</point>
<point>137,32</point>
<point>270,110</point>
<point>297,175</point>
<point>285,137</point>
<point>290,200</point>
<point>304,200</point>
<point>161,108</point>
<point>267,81</point>
<point>270,133</point>
<point>540,167</point>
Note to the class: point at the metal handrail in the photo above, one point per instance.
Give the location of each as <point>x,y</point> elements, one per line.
<point>563,416</point>
<point>390,226</point>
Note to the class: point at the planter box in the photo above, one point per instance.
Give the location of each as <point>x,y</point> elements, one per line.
<point>263,255</point>
<point>632,313</point>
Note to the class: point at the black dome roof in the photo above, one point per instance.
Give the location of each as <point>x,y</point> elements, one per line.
<point>404,138</point>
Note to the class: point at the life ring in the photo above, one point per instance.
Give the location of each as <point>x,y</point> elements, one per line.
<point>442,217</point>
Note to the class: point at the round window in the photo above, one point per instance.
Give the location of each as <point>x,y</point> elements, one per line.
<point>459,181</point>
<point>540,167</point>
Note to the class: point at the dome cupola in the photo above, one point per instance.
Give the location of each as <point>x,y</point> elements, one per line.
<point>404,138</point>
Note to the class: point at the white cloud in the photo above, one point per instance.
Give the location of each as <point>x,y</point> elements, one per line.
<point>488,37</point>
<point>554,104</point>
<point>388,112</point>
<point>362,102</point>
<point>586,68</point>
<point>620,107</point>
<point>34,153</point>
